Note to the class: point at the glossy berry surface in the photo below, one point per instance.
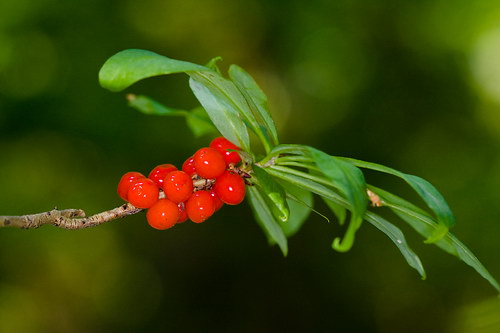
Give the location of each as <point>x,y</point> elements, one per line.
<point>159,173</point>
<point>163,214</point>
<point>200,206</point>
<point>217,201</point>
<point>183,216</point>
<point>222,145</point>
<point>178,186</point>
<point>230,188</point>
<point>209,163</point>
<point>126,181</point>
<point>188,166</point>
<point>143,193</point>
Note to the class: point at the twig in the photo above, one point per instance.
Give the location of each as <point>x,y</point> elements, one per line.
<point>68,218</point>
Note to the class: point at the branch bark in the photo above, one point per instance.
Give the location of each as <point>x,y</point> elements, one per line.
<point>68,218</point>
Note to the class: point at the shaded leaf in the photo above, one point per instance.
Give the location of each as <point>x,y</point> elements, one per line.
<point>397,237</point>
<point>199,122</point>
<point>129,66</point>
<point>300,207</point>
<point>427,192</point>
<point>426,225</point>
<point>265,218</point>
<point>149,106</point>
<point>339,211</point>
<point>394,233</point>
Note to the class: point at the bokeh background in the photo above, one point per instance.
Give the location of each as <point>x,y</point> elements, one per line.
<point>413,85</point>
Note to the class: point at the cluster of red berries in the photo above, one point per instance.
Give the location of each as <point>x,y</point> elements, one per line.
<point>208,179</point>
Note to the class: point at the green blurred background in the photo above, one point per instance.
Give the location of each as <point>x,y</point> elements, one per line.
<point>413,85</point>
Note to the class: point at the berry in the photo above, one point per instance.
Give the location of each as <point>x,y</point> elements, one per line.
<point>143,193</point>
<point>178,186</point>
<point>163,214</point>
<point>159,173</point>
<point>222,145</point>
<point>126,181</point>
<point>188,166</point>
<point>200,206</point>
<point>230,188</point>
<point>182,212</point>
<point>217,201</point>
<point>209,163</point>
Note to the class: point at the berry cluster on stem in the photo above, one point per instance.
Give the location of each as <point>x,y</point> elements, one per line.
<point>208,180</point>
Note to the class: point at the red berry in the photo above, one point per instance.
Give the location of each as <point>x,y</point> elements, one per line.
<point>217,201</point>
<point>209,163</point>
<point>222,145</point>
<point>182,212</point>
<point>188,166</point>
<point>143,193</point>
<point>230,188</point>
<point>159,173</point>
<point>200,206</point>
<point>125,183</point>
<point>163,214</point>
<point>178,186</point>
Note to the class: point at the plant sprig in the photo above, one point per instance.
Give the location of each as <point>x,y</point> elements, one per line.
<point>287,176</point>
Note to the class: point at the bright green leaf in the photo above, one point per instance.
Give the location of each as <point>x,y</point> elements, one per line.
<point>129,66</point>
<point>350,181</point>
<point>265,218</point>
<point>256,99</point>
<point>222,114</point>
<point>274,192</point>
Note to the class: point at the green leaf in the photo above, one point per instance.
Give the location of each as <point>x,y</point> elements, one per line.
<point>300,207</point>
<point>427,192</point>
<point>222,114</point>
<point>390,230</point>
<point>350,181</point>
<point>426,225</point>
<point>212,64</point>
<point>265,218</point>
<point>149,106</point>
<point>129,66</point>
<point>199,122</point>
<point>397,237</point>
<point>339,211</point>
<point>256,99</point>
<point>274,192</point>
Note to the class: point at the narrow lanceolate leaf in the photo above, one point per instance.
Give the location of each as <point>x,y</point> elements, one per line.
<point>227,92</point>
<point>222,114</point>
<point>300,207</point>
<point>349,180</point>
<point>149,106</point>
<point>397,237</point>
<point>274,193</point>
<point>426,225</point>
<point>256,99</point>
<point>394,234</point>
<point>265,218</point>
<point>129,66</point>
<point>426,190</point>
